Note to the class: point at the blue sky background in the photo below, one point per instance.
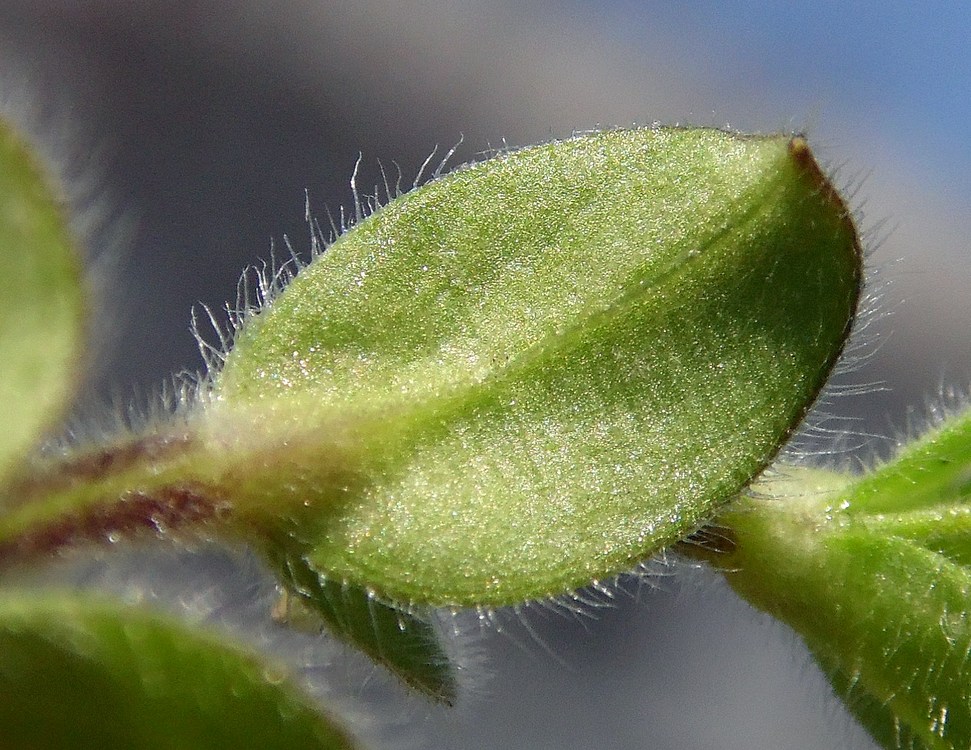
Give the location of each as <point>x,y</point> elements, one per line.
<point>200,124</point>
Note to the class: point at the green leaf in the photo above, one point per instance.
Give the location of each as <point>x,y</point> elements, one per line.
<point>43,315</point>
<point>400,641</point>
<point>552,363</point>
<point>526,375</point>
<point>80,673</point>
<point>873,572</point>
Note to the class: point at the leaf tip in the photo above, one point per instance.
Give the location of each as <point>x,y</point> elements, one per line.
<point>802,156</point>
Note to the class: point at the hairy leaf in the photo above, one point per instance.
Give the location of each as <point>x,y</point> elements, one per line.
<point>873,572</point>
<point>552,363</point>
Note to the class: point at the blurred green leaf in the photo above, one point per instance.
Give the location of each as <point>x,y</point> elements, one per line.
<point>79,673</point>
<point>553,363</point>
<point>43,316</point>
<point>873,573</point>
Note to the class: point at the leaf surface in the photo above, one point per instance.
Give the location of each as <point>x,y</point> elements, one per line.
<point>43,315</point>
<point>873,572</point>
<point>557,361</point>
<point>80,673</point>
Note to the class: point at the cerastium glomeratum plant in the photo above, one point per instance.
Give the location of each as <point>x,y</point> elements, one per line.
<point>525,376</point>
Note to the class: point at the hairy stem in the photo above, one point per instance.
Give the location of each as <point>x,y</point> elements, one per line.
<point>221,476</point>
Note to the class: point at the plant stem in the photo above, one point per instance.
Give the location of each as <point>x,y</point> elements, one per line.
<point>218,474</point>
<point>142,486</point>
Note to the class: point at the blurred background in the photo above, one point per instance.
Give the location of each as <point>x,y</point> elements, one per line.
<point>190,131</point>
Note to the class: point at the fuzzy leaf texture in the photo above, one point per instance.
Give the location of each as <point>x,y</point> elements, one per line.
<point>80,673</point>
<point>544,367</point>
<point>873,572</point>
<point>42,324</point>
